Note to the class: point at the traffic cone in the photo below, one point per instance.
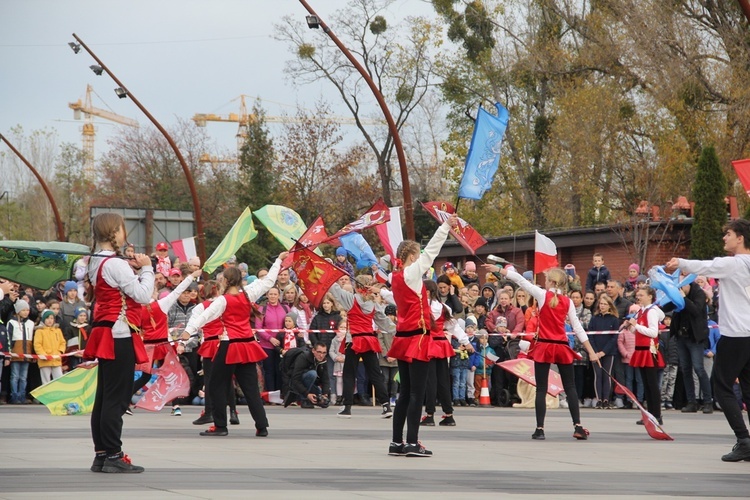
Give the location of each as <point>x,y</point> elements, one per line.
<point>484,395</point>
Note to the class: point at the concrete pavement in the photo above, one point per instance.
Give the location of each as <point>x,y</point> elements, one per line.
<point>315,454</point>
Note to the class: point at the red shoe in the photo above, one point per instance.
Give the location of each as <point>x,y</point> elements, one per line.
<point>215,431</point>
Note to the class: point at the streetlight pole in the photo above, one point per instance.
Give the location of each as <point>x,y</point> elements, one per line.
<point>58,220</point>
<point>122,91</point>
<point>408,207</point>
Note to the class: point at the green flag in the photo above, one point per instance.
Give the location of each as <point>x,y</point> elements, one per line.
<point>39,264</point>
<point>242,232</point>
<point>71,394</point>
<point>283,223</point>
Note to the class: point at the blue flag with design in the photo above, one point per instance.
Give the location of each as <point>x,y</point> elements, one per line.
<point>356,246</point>
<point>484,153</point>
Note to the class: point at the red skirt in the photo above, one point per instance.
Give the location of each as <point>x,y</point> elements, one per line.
<point>362,343</point>
<point>441,348</point>
<point>101,344</point>
<point>642,358</point>
<point>415,347</point>
<point>244,352</point>
<point>548,352</point>
<point>208,348</point>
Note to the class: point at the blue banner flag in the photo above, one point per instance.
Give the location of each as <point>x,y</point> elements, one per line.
<point>484,153</point>
<point>356,246</point>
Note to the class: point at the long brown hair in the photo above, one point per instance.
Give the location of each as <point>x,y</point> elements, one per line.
<point>104,228</point>
<point>432,294</point>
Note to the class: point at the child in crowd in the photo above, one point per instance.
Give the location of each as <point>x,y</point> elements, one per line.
<point>49,341</point>
<point>21,339</point>
<point>597,273</point>
<point>338,361</point>
<point>291,337</point>
<point>342,263</point>
<point>631,284</point>
<point>76,336</point>
<point>388,366</point>
<point>460,368</point>
<point>669,375</point>
<point>450,271</point>
<point>470,326</point>
<point>480,361</point>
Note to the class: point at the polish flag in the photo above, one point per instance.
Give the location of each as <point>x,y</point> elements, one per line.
<point>545,253</point>
<point>272,397</point>
<point>184,249</point>
<point>742,167</point>
<point>390,233</point>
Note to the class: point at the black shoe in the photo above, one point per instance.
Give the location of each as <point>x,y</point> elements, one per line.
<point>120,463</point>
<point>448,421</point>
<point>98,462</point>
<point>416,450</point>
<point>215,431</point>
<point>472,402</point>
<point>538,434</point>
<point>306,403</point>
<point>233,418</point>
<point>387,412</point>
<point>428,420</point>
<point>261,432</point>
<point>690,408</point>
<point>204,419</point>
<point>580,433</point>
<point>396,449</point>
<point>661,422</point>
<point>345,412</point>
<point>708,408</point>
<point>740,451</point>
<point>599,405</point>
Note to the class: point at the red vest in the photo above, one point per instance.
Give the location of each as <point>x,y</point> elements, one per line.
<point>236,317</point>
<point>552,319</point>
<point>359,322</point>
<point>413,309</point>
<point>642,355</point>
<point>211,332</point>
<point>436,330</point>
<point>153,322</point>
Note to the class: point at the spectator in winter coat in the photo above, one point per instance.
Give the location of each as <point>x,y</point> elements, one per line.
<point>69,304</point>
<point>328,317</point>
<point>343,263</point>
<point>447,295</point>
<point>469,275</point>
<point>597,273</point>
<point>605,345</point>
<point>49,341</point>
<point>507,320</point>
<point>668,345</point>
<point>449,270</point>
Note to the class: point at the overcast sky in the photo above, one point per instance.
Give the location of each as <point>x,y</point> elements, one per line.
<point>178,57</point>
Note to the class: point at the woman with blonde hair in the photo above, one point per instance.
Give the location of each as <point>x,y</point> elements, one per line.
<point>551,344</point>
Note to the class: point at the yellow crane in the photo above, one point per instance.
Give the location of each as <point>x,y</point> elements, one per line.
<point>243,118</point>
<point>88,111</point>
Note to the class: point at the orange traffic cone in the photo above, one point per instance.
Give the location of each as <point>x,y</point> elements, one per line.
<point>484,395</point>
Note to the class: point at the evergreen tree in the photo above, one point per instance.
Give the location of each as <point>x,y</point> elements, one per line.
<point>257,187</point>
<point>710,215</point>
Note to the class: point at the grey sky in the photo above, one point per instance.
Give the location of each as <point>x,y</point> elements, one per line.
<point>179,57</point>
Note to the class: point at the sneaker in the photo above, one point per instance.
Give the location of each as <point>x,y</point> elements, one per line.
<point>176,412</point>
<point>599,405</point>
<point>691,407</point>
<point>129,411</point>
<point>261,433</point>
<point>428,420</point>
<point>233,418</point>
<point>120,463</point>
<point>99,459</point>
<point>393,401</point>
<point>447,421</point>
<point>619,404</point>
<point>740,451</point>
<point>586,403</point>
<point>215,431</point>
<point>668,405</point>
<point>472,402</point>
<point>708,408</point>
<point>564,403</point>
<point>580,433</point>
<point>416,450</point>
<point>538,434</point>
<point>204,419</point>
<point>606,405</point>
<point>396,449</point>
<point>387,412</point>
<point>345,412</point>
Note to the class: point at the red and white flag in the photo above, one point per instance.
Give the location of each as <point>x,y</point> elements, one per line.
<point>742,167</point>
<point>390,233</point>
<point>379,213</point>
<point>172,382</point>
<point>649,421</point>
<point>466,235</point>
<point>272,397</point>
<point>184,248</point>
<point>545,253</point>
<point>313,236</point>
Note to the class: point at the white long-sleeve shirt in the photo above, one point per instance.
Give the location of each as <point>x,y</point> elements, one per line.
<point>734,299</point>
<point>540,294</point>
<point>166,303</point>
<point>413,273</point>
<point>451,325</point>
<point>654,315</point>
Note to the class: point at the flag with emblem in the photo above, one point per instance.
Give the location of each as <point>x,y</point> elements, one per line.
<point>311,238</point>
<point>315,275</point>
<point>379,213</point>
<point>172,382</point>
<point>242,232</point>
<point>71,394</point>
<point>466,235</point>
<point>283,223</point>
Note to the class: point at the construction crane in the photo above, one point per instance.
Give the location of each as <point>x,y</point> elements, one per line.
<point>89,111</point>
<point>243,118</point>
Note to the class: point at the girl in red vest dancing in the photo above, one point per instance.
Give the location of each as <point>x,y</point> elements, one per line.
<point>209,339</point>
<point>362,311</point>
<point>647,356</point>
<point>411,344</point>
<point>239,351</point>
<point>551,344</point>
<point>114,339</point>
<point>441,350</point>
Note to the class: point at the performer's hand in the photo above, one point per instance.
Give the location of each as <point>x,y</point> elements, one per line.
<point>492,268</point>
<point>389,359</point>
<point>180,348</point>
<point>633,321</point>
<point>283,255</point>
<point>6,362</point>
<point>185,336</point>
<point>453,221</point>
<point>673,264</point>
<point>141,259</point>
<point>196,274</point>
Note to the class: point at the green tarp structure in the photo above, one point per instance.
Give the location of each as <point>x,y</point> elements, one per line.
<point>39,264</point>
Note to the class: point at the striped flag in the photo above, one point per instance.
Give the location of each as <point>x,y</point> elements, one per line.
<point>545,253</point>
<point>71,394</point>
<point>184,248</point>
<point>390,233</point>
<point>242,232</point>
<point>283,223</point>
<point>272,397</point>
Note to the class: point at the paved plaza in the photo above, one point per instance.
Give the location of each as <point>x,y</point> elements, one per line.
<point>314,454</point>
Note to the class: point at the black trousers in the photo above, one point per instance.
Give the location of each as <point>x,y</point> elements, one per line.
<point>114,386</point>
<point>438,387</point>
<point>208,408</point>
<point>247,378</point>
<point>732,362</point>
<point>541,372</point>
<point>409,405</point>
<point>372,368</point>
<point>652,390</point>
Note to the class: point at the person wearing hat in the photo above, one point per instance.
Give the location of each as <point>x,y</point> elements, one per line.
<point>343,263</point>
<point>70,302</point>
<point>21,338</point>
<point>161,261</point>
<point>470,275</point>
<point>76,336</point>
<point>631,283</point>
<point>449,270</point>
<point>480,312</point>
<point>49,341</point>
